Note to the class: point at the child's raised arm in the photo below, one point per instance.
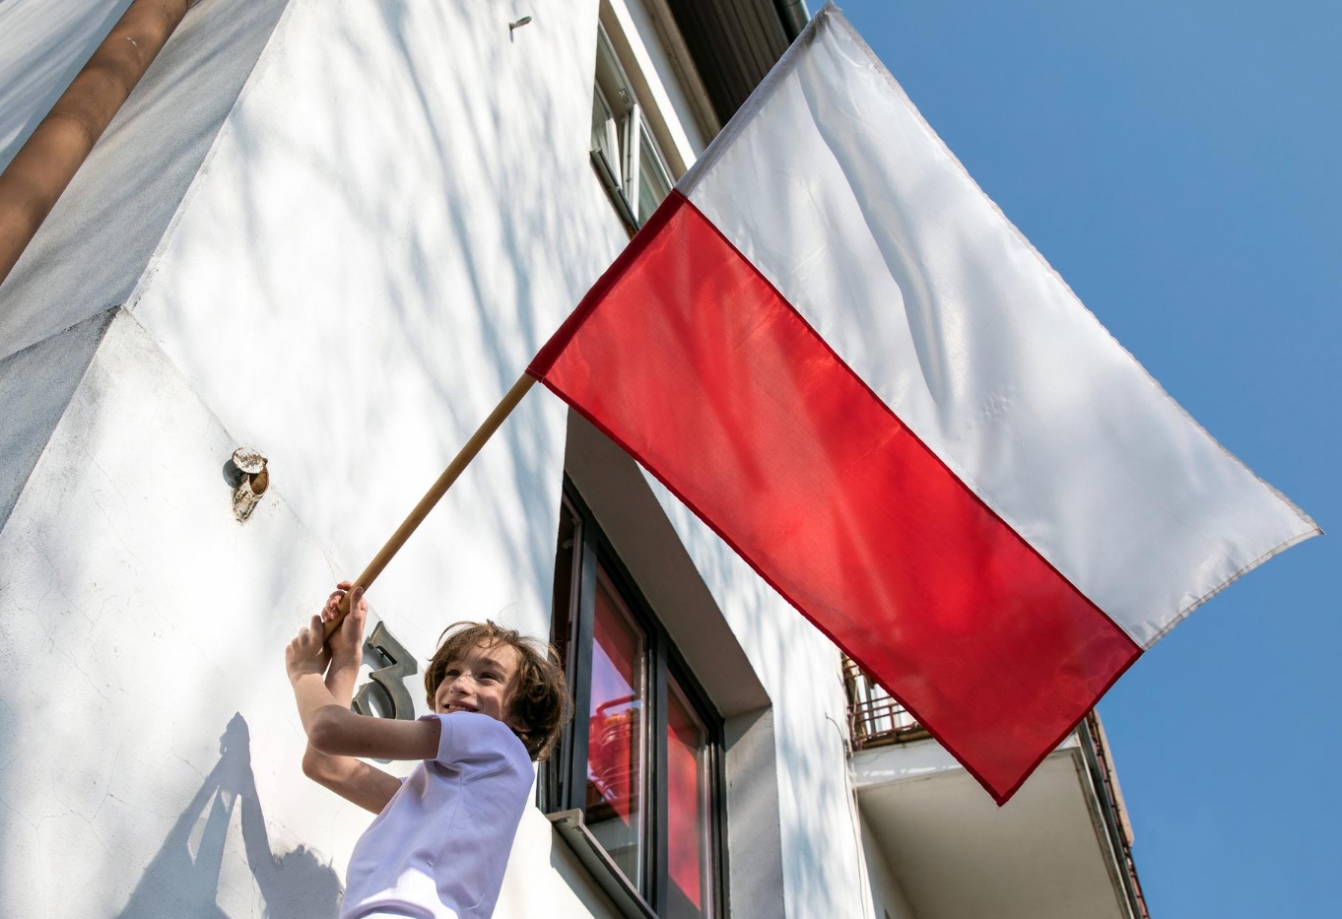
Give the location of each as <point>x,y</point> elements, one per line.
<point>334,732</point>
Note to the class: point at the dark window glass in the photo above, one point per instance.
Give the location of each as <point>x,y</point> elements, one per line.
<point>640,759</point>
<point>566,578</point>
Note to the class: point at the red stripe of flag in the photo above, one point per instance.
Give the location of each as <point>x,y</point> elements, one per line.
<point>690,360</point>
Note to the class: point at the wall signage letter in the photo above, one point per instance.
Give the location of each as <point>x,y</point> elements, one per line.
<point>386,695</point>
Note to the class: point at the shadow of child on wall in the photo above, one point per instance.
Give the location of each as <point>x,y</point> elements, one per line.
<point>295,885</point>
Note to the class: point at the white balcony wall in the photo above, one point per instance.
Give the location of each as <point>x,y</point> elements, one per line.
<point>887,897</point>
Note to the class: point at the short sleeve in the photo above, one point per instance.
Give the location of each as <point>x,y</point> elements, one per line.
<point>476,743</point>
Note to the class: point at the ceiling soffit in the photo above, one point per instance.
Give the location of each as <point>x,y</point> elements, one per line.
<point>734,43</point>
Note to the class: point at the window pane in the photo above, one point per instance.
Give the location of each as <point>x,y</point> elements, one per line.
<point>654,182</point>
<point>610,76</point>
<point>568,555</point>
<point>615,797</point>
<point>566,572</point>
<point>689,845</point>
<point>605,135</point>
<point>599,116</point>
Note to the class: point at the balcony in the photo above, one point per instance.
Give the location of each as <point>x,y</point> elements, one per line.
<point>874,717</point>
<point>939,848</point>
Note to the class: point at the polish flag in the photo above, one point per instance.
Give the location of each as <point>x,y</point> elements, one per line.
<point>834,348</point>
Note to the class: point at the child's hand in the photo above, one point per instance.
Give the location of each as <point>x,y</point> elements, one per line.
<point>346,642</point>
<point>307,653</point>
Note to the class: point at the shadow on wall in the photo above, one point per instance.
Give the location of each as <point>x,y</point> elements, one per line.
<point>40,53</point>
<point>119,205</point>
<point>465,278</point>
<point>182,880</point>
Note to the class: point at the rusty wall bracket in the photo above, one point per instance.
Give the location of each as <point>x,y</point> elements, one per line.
<point>252,479</point>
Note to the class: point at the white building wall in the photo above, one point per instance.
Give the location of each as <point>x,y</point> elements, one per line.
<point>887,896</point>
<point>397,212</point>
<point>395,209</point>
<point>36,384</point>
<point>152,748</point>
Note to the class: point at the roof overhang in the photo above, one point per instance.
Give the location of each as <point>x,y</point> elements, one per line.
<point>734,43</point>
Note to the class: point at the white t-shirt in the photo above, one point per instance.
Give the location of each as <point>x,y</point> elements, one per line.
<point>440,846</point>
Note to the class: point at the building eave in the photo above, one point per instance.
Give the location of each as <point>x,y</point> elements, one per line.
<point>734,43</point>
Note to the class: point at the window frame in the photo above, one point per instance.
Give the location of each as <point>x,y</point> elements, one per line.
<point>629,131</point>
<point>557,790</point>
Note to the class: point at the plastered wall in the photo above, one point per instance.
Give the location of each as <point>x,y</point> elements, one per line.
<point>36,384</point>
<point>392,211</point>
<point>151,751</point>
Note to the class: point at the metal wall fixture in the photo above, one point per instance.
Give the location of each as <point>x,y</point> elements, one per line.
<point>252,479</point>
<point>386,695</point>
<point>517,24</point>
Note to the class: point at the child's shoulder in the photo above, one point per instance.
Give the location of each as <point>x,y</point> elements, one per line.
<point>471,735</point>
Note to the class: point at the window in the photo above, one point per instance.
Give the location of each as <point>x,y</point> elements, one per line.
<point>624,153</point>
<point>642,757</point>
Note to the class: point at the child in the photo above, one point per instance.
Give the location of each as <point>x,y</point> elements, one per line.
<point>440,843</point>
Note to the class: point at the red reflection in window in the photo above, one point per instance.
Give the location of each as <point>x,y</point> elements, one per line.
<point>615,731</point>
<point>687,809</point>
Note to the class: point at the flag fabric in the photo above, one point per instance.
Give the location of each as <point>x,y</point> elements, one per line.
<point>834,348</point>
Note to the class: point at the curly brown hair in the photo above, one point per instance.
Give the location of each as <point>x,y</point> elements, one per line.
<point>540,705</point>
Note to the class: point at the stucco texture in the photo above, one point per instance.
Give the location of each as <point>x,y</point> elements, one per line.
<point>36,384</point>
<point>342,282</point>
<point>344,263</point>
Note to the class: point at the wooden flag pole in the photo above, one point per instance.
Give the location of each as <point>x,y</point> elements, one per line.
<point>435,493</point>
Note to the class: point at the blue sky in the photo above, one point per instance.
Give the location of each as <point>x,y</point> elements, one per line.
<point>1180,163</point>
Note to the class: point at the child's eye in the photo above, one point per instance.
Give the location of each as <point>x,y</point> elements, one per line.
<point>488,676</point>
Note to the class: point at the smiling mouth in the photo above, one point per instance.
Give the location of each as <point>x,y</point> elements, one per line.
<point>458,707</point>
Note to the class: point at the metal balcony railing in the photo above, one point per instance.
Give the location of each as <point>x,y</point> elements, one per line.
<point>874,718</point>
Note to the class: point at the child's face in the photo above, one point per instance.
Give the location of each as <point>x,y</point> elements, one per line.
<point>483,681</point>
